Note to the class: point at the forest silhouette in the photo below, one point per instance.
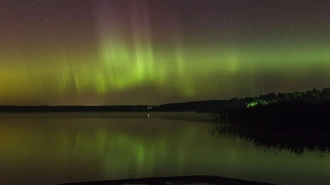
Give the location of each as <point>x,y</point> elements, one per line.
<point>311,100</point>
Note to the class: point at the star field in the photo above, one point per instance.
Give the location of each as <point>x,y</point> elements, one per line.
<point>155,51</point>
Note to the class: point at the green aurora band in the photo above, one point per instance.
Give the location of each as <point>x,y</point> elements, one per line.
<point>122,56</point>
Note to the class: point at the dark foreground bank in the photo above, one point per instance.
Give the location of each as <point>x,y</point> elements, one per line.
<point>174,181</point>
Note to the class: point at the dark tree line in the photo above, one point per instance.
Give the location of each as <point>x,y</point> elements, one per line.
<point>313,96</point>
<point>32,109</point>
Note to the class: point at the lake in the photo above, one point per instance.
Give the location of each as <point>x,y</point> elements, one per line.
<point>49,149</point>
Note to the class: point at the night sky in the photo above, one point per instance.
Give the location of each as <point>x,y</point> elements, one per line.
<point>107,52</point>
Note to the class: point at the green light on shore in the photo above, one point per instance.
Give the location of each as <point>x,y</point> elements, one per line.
<point>257,102</point>
<point>251,104</point>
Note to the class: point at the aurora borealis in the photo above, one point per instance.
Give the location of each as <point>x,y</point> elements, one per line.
<point>96,52</point>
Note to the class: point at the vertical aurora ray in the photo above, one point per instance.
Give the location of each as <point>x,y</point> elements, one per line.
<point>126,48</point>
<point>101,52</point>
<point>143,51</point>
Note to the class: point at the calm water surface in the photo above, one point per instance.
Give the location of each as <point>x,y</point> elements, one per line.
<point>42,149</point>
